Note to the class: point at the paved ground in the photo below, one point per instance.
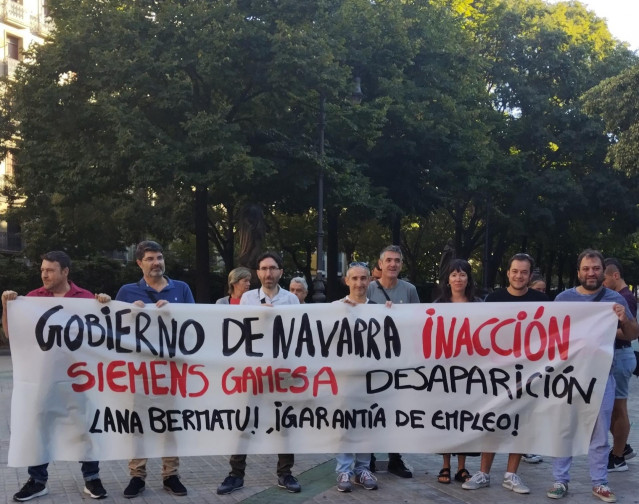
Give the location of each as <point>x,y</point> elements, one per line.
<point>201,475</point>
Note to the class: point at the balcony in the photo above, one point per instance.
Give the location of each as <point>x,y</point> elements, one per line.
<point>41,25</point>
<point>14,13</point>
<point>8,67</point>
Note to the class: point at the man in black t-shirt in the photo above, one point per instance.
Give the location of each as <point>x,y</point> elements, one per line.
<point>520,268</point>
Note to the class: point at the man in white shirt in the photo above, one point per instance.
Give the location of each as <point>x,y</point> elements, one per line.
<point>269,271</point>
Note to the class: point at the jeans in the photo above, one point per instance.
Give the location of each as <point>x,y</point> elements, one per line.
<point>623,365</point>
<point>598,449</point>
<point>90,471</point>
<point>170,465</point>
<point>285,463</point>
<point>345,463</point>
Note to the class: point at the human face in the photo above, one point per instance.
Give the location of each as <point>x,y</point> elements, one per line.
<point>54,278</point>
<point>519,276</point>
<point>458,281</point>
<point>390,264</point>
<point>591,273</point>
<point>357,280</point>
<point>269,273</point>
<point>298,289</point>
<point>376,274</point>
<point>152,264</point>
<point>610,278</point>
<point>539,285</point>
<point>241,286</point>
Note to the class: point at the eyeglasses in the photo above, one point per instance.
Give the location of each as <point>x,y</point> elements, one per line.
<point>269,269</point>
<point>358,263</point>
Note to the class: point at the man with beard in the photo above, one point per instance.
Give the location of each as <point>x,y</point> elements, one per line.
<point>520,268</point>
<point>590,271</point>
<point>154,288</point>
<point>269,272</point>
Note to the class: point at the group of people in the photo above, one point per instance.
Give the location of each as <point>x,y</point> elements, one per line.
<point>600,280</point>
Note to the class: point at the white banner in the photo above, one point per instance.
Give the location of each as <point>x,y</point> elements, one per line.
<point>101,382</point>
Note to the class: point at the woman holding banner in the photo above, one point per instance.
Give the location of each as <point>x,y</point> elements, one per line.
<point>459,288</point>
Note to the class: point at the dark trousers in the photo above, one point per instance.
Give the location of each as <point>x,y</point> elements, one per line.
<point>285,463</point>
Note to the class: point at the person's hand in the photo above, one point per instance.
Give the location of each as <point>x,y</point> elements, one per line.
<point>161,302</point>
<point>388,304</point>
<point>103,298</point>
<point>620,311</point>
<point>8,295</point>
<point>139,303</point>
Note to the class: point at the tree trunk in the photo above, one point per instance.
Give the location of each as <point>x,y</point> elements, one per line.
<point>202,274</point>
<point>332,253</point>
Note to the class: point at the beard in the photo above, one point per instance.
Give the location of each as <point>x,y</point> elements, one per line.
<point>588,285</point>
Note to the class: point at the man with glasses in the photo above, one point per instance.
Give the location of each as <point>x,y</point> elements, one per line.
<point>154,288</point>
<point>269,272</point>
<point>390,288</point>
<point>519,270</point>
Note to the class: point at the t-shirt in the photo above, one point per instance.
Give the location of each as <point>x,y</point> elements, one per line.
<point>630,299</point>
<point>255,297</point>
<point>502,295</point>
<point>175,291</point>
<point>73,292</point>
<point>609,295</point>
<point>403,292</point>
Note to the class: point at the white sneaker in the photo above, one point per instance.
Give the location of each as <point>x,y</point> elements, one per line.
<point>532,458</point>
<point>479,480</point>
<point>514,483</point>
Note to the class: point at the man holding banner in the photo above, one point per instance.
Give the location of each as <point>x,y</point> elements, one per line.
<point>269,272</point>
<point>54,273</point>
<point>590,272</point>
<point>154,288</point>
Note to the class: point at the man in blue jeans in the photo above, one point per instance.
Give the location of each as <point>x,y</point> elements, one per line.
<point>590,271</point>
<point>54,273</point>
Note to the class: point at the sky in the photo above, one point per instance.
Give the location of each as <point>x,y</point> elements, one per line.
<point>621,17</point>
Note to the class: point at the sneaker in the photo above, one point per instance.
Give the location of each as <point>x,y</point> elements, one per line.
<point>532,458</point>
<point>513,482</point>
<point>135,488</point>
<point>344,482</point>
<point>95,489</point>
<point>398,468</point>
<point>289,482</point>
<point>479,480</point>
<point>628,452</point>
<point>604,493</point>
<point>30,490</point>
<point>558,490</point>
<point>366,479</point>
<point>174,486</point>
<point>230,484</point>
<point>616,464</point>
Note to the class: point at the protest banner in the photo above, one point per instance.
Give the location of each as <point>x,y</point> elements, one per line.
<point>114,381</point>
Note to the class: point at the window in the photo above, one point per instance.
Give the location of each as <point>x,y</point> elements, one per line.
<point>13,47</point>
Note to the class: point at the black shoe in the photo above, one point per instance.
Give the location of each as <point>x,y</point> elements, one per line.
<point>398,468</point>
<point>628,452</point>
<point>135,488</point>
<point>230,484</point>
<point>290,483</point>
<point>174,486</point>
<point>95,489</point>
<point>30,490</point>
<point>616,464</point>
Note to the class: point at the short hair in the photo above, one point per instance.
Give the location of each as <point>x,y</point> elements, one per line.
<point>590,253</point>
<point>146,246</point>
<point>376,267</point>
<point>469,291</point>
<point>392,248</point>
<point>358,265</point>
<point>301,281</point>
<point>236,275</point>
<point>58,256</point>
<point>522,256</point>
<point>273,256</point>
<point>615,263</point>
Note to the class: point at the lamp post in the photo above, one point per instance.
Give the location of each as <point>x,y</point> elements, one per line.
<point>319,286</point>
